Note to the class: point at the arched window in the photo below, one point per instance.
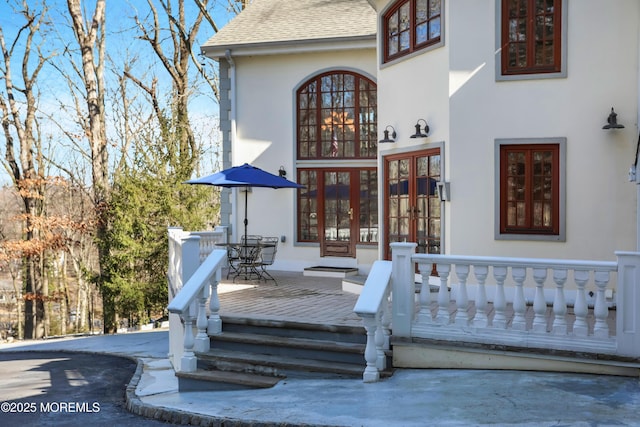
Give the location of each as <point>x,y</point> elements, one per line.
<point>337,117</point>
<point>337,120</point>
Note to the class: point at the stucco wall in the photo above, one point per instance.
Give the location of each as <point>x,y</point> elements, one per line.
<point>454,88</point>
<point>265,121</point>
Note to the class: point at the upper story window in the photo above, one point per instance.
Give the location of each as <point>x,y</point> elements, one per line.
<point>531,35</point>
<point>410,25</point>
<point>337,117</point>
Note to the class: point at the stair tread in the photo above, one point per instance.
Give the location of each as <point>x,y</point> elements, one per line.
<point>308,343</point>
<point>289,324</point>
<point>231,377</point>
<point>283,361</point>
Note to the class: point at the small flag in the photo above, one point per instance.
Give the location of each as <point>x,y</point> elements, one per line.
<point>334,144</point>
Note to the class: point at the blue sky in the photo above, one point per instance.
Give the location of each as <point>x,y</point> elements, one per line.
<point>122,43</point>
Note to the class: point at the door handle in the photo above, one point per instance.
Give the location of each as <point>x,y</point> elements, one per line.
<point>351,213</point>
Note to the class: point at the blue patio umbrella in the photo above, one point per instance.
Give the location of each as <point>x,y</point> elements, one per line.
<point>245,176</point>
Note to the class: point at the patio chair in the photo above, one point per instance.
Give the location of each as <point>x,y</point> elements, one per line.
<point>268,255</point>
<point>248,256</point>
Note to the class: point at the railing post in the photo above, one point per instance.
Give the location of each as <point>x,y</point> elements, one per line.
<point>462,297</point>
<point>403,287</point>
<point>444,299</point>
<point>539,303</point>
<point>190,263</point>
<point>202,342</point>
<point>559,326</point>
<point>371,373</point>
<point>580,308</point>
<point>519,322</point>
<point>214,326</point>
<point>481,320</point>
<point>628,303</point>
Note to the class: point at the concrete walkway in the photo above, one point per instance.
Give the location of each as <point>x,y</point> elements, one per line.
<point>408,398</point>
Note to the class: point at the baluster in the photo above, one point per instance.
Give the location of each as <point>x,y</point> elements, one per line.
<point>381,358</point>
<point>539,301</point>
<point>443,315</point>
<point>386,318</point>
<point>214,326</point>
<point>519,304</point>
<point>600,310</point>
<point>371,373</point>
<point>424,314</point>
<point>580,327</point>
<point>202,342</point>
<point>188,362</point>
<point>559,326</point>
<point>499,302</point>
<point>480,320</point>
<point>462,299</point>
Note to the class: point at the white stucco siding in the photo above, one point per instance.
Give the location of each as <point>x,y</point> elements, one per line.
<point>266,87</point>
<point>455,89</point>
<point>600,202</point>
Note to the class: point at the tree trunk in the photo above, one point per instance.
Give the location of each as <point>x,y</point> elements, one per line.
<point>92,43</point>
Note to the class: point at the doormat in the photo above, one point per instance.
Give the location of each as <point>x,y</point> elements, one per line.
<point>327,271</point>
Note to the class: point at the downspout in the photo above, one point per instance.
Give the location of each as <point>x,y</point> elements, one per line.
<point>633,175</point>
<point>232,100</point>
<point>227,161</point>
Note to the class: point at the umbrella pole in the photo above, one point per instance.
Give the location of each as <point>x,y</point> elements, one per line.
<point>246,221</point>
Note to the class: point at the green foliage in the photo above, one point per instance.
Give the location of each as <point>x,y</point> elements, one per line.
<point>144,202</point>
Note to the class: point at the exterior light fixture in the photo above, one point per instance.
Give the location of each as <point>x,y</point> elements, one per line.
<point>386,135</point>
<point>282,172</point>
<point>612,121</point>
<point>419,133</point>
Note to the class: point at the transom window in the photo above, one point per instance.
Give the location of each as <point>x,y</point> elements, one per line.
<point>410,25</point>
<point>531,36</point>
<point>530,189</point>
<point>337,117</point>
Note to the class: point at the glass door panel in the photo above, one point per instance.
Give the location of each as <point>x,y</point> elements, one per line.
<point>338,215</point>
<point>412,204</point>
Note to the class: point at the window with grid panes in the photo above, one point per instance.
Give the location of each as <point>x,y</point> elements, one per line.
<point>337,117</point>
<point>529,189</point>
<point>411,25</point>
<point>531,36</point>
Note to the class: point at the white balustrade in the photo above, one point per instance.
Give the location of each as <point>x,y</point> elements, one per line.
<point>194,283</point>
<point>372,306</point>
<point>535,303</point>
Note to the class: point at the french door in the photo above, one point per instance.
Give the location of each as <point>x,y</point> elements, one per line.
<point>338,238</point>
<point>412,206</point>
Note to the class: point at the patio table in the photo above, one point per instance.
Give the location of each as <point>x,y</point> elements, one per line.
<point>244,259</point>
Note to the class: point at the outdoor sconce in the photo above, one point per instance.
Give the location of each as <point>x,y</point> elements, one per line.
<point>418,133</point>
<point>444,192</point>
<point>282,172</point>
<point>386,135</point>
<point>612,121</point>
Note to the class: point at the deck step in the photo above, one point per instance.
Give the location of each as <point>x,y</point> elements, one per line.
<point>254,352</point>
<point>218,380</point>
<point>278,366</point>
<point>289,342</point>
<point>324,271</point>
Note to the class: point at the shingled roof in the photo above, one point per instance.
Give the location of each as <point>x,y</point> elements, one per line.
<point>295,22</point>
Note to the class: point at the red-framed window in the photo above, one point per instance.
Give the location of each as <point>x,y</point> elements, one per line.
<point>530,189</point>
<point>531,34</point>
<point>337,117</point>
<point>410,25</point>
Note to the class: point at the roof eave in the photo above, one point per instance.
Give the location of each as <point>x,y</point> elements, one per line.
<point>291,46</point>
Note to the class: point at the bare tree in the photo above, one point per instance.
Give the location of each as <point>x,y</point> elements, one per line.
<point>90,35</point>
<point>18,108</point>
